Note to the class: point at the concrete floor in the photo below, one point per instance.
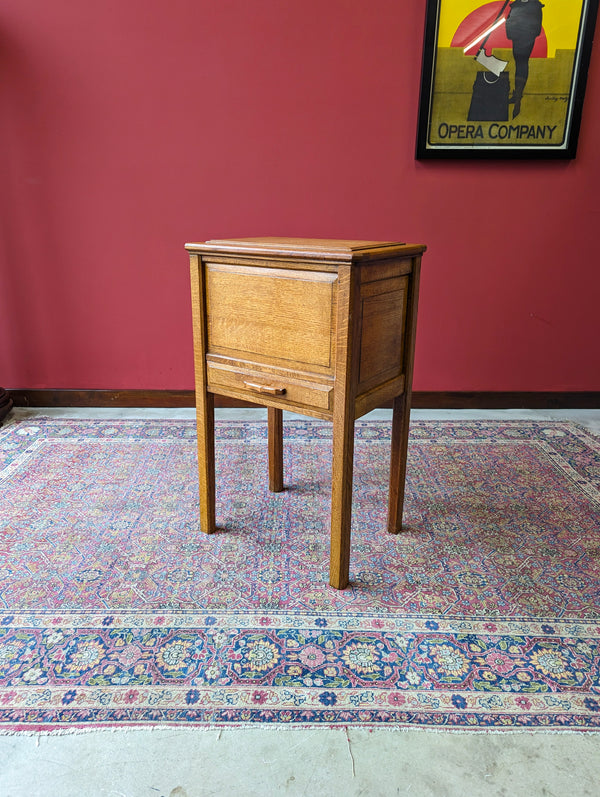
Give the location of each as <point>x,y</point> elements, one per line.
<point>180,762</point>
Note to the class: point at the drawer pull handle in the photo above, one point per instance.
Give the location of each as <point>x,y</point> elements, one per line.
<point>270,389</point>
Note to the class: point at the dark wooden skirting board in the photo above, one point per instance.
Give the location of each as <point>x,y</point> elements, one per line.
<point>185,398</point>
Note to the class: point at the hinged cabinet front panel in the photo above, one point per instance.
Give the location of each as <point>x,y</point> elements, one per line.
<point>271,316</point>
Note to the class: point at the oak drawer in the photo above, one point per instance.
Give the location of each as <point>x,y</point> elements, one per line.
<point>259,386</point>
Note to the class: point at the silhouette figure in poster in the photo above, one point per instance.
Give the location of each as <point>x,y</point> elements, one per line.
<point>523,26</point>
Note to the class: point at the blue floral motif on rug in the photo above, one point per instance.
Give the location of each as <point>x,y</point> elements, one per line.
<point>116,611</point>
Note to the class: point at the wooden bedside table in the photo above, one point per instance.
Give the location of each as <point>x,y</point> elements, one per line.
<point>324,328</point>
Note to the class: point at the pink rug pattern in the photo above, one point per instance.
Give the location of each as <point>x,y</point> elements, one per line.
<point>116,611</point>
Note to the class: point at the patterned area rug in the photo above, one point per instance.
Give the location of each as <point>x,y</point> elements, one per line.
<point>116,611</point>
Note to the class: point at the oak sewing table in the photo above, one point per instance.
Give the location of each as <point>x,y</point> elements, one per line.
<point>324,328</point>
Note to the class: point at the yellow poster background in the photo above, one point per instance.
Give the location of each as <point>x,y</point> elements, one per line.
<point>543,116</point>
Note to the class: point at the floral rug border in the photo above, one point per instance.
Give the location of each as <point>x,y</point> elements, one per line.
<point>522,674</point>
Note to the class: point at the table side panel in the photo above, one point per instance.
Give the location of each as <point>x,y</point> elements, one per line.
<point>383,322</point>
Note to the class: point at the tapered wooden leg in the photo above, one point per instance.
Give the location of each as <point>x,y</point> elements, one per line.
<point>205,420</point>
<point>341,501</point>
<point>275,434</point>
<point>400,424</point>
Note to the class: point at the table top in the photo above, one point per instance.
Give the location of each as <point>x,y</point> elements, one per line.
<point>327,248</point>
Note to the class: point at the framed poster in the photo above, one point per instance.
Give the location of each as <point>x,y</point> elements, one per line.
<point>504,79</point>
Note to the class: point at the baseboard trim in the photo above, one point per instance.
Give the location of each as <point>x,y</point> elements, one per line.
<point>421,399</point>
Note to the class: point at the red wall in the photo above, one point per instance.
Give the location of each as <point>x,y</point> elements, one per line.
<point>128,127</point>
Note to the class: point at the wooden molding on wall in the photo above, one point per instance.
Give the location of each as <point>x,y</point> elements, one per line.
<point>185,398</point>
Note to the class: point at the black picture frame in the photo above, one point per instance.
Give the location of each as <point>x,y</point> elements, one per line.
<point>544,121</point>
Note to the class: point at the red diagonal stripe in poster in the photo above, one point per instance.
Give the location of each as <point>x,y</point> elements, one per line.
<point>475,24</point>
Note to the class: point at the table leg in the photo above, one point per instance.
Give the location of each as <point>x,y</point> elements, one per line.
<point>205,419</point>
<point>400,425</point>
<point>341,500</point>
<point>275,434</point>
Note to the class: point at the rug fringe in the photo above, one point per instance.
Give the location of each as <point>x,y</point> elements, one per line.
<point>346,730</point>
